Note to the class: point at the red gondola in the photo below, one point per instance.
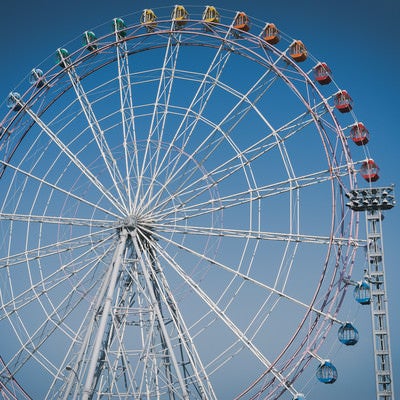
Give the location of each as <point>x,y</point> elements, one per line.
<point>343,101</point>
<point>242,22</point>
<point>271,34</point>
<point>370,170</point>
<point>359,134</point>
<point>322,73</point>
<point>298,51</point>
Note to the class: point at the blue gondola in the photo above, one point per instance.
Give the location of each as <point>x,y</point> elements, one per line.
<point>348,334</point>
<point>362,293</point>
<point>13,101</point>
<point>36,78</point>
<point>327,373</point>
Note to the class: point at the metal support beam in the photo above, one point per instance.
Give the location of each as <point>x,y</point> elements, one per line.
<point>373,201</point>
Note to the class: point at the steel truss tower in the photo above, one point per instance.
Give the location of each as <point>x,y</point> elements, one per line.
<point>373,201</point>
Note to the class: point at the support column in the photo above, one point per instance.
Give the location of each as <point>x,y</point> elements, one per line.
<point>379,310</point>
<point>372,201</point>
<point>95,355</point>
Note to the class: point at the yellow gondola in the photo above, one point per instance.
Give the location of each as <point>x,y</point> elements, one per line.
<point>211,15</point>
<point>180,16</point>
<point>148,19</point>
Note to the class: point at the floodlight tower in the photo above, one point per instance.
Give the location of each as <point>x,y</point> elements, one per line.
<point>373,201</point>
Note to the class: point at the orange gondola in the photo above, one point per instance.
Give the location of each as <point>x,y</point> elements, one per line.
<point>359,134</point>
<point>242,22</point>
<point>369,170</point>
<point>322,73</point>
<point>343,101</point>
<point>298,51</point>
<point>271,34</point>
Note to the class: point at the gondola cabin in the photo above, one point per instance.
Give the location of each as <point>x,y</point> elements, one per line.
<point>211,15</point>
<point>62,57</point>
<point>242,22</point>
<point>180,16</point>
<point>327,373</point>
<point>13,101</point>
<point>149,20</point>
<point>36,78</point>
<point>89,40</point>
<point>298,51</point>
<point>322,74</point>
<point>359,134</point>
<point>119,28</point>
<point>343,101</point>
<point>370,171</point>
<point>271,34</point>
<point>348,334</point>
<point>362,293</point>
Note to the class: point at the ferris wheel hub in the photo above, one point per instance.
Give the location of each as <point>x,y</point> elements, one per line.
<point>130,222</point>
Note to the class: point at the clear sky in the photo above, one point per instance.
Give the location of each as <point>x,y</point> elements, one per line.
<point>358,39</point>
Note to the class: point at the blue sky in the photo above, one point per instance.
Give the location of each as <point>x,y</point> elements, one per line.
<point>358,39</point>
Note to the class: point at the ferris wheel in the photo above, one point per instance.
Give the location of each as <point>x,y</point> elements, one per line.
<point>172,214</point>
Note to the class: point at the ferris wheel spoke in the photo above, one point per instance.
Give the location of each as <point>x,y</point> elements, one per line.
<point>98,134</point>
<point>47,219</point>
<point>254,234</point>
<point>72,157</point>
<point>57,188</point>
<point>127,113</point>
